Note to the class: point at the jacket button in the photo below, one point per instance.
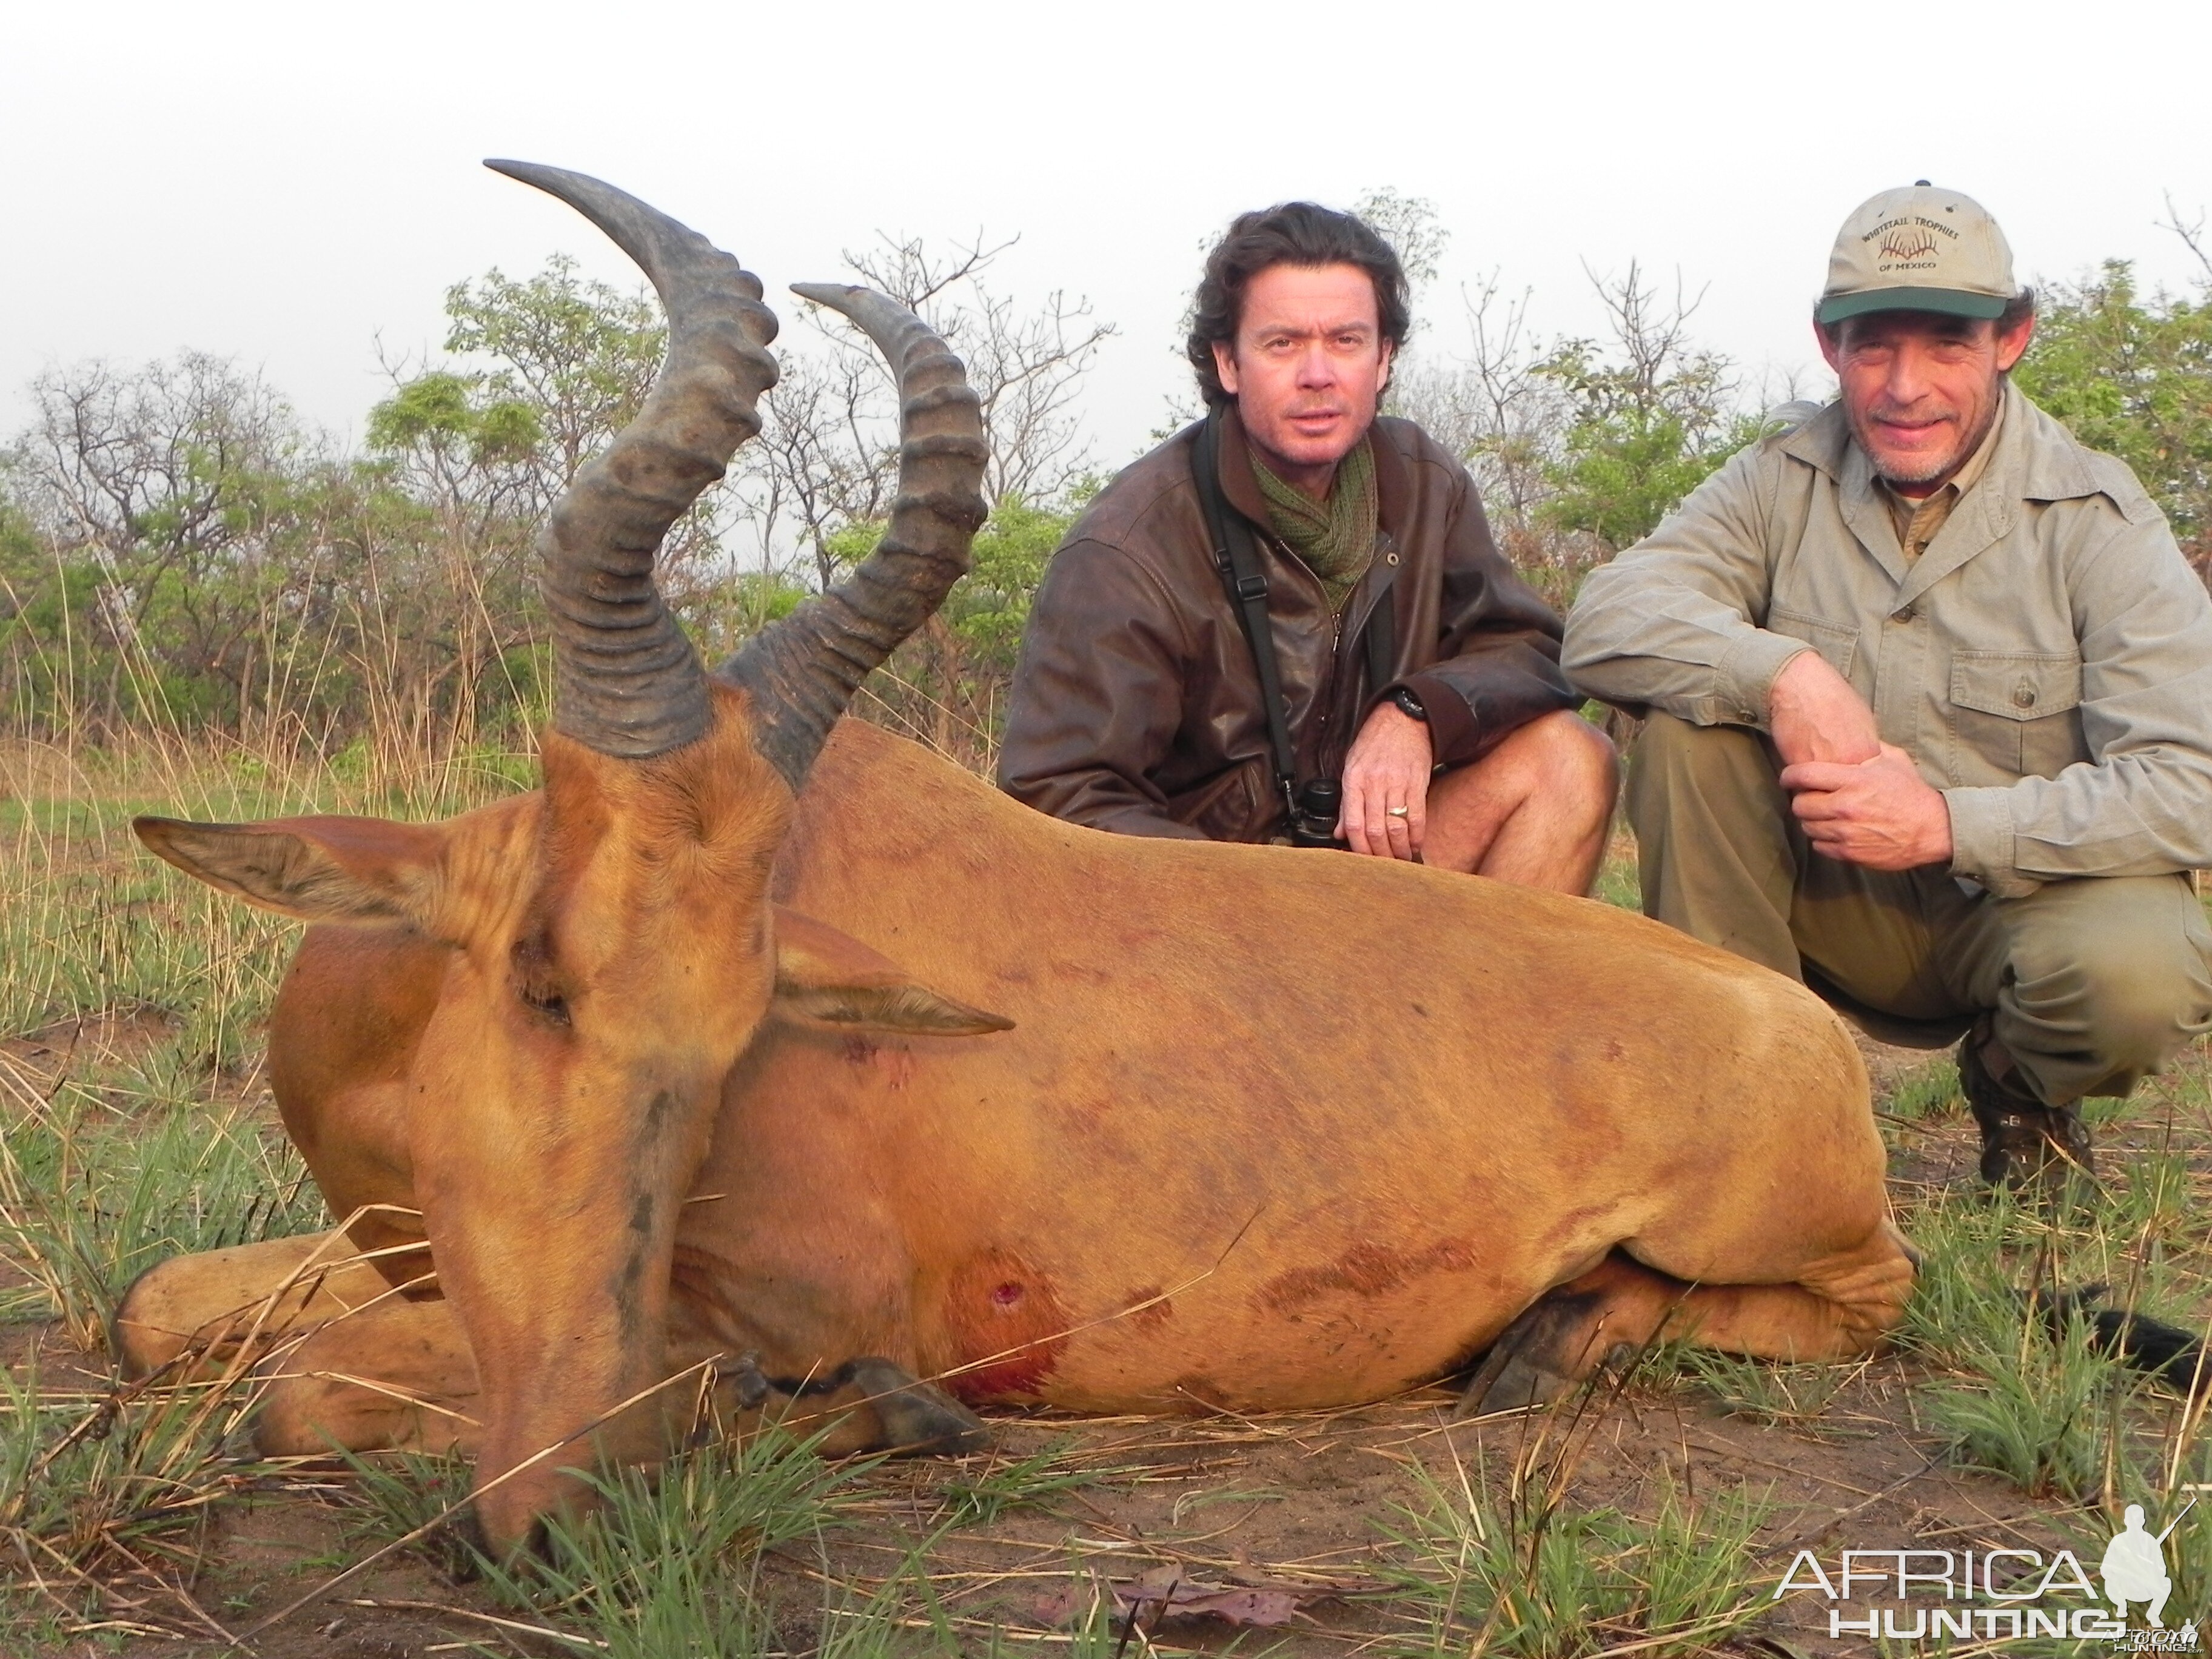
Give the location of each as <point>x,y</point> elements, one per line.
<point>2023,695</point>
<point>1904,614</point>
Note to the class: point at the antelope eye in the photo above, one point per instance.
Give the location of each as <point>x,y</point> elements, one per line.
<point>536,984</point>
<point>545,1001</point>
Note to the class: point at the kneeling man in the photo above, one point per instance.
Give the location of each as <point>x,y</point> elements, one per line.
<point>1403,656</point>
<point>1930,694</point>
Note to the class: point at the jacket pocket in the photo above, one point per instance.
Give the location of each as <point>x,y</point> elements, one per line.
<point>1229,806</point>
<point>2016,710</point>
<point>1838,644</point>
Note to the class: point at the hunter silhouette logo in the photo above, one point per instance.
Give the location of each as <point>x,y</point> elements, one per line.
<point>2134,1567</point>
<point>1906,242</point>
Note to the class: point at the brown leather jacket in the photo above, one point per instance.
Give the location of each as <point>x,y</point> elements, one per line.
<point>1135,706</point>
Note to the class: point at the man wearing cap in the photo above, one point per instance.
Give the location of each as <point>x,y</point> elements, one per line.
<point>1930,697</point>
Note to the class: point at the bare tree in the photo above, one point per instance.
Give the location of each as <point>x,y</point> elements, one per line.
<point>820,473</point>
<point>2192,233</point>
<point>822,459</point>
<point>1411,226</point>
<point>1578,444</point>
<point>140,468</point>
<point>1492,406</point>
<point>154,475</point>
<point>1025,365</point>
<point>1653,359</point>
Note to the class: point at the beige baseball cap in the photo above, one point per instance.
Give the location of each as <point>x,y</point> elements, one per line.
<point>1918,249</point>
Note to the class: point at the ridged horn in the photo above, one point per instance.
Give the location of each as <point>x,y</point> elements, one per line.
<point>802,671</point>
<point>626,681</point>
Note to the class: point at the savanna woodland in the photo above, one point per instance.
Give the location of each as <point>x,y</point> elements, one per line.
<point>209,608</point>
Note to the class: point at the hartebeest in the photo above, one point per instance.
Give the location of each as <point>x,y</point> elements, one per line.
<point>1244,1126</point>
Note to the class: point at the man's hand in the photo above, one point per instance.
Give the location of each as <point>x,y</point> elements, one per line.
<point>1814,715</point>
<point>1879,813</point>
<point>1388,766</point>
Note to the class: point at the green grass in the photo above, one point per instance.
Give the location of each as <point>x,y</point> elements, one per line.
<point>1925,1092</point>
<point>397,1495</point>
<point>1538,1576</point>
<point>120,1480</point>
<point>1763,1391</point>
<point>668,1567</point>
<point>2041,1410</point>
<point>91,923</point>
<point>1618,883</point>
<point>2026,1395</point>
<point>671,1565</point>
<point>2016,1396</point>
<point>127,1168</point>
<point>983,1490</point>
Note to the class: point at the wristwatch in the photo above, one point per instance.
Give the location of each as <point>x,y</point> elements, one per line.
<point>1408,704</point>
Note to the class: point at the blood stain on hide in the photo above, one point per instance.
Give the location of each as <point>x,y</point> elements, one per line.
<point>1367,1270</point>
<point>1000,1310</point>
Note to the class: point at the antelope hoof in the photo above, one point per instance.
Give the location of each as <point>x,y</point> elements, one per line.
<point>1509,1381</point>
<point>917,1418</point>
<point>1539,1356</point>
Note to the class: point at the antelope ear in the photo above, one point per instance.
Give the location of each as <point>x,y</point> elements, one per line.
<point>830,981</point>
<point>364,872</point>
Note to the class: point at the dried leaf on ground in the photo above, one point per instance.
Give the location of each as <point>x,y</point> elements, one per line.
<point>1166,1592</point>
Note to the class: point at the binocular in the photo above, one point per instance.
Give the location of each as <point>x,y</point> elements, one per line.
<point>1315,813</point>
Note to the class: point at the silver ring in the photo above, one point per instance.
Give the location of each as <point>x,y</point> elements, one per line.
<point>1398,811</point>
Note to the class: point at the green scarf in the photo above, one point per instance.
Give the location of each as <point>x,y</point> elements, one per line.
<point>1335,541</point>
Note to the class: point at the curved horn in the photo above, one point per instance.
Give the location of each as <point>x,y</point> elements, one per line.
<point>804,670</point>
<point>626,680</point>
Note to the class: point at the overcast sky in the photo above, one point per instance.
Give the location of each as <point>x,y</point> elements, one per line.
<point>287,184</point>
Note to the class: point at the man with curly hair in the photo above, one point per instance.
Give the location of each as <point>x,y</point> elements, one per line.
<point>1415,670</point>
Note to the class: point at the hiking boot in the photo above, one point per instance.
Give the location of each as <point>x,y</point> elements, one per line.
<point>2026,1144</point>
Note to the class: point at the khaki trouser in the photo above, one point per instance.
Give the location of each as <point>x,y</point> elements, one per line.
<point>2091,984</point>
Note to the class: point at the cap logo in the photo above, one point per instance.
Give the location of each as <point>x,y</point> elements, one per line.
<point>1907,242</point>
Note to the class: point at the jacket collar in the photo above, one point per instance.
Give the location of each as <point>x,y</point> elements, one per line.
<point>2036,459</point>
<point>1392,485</point>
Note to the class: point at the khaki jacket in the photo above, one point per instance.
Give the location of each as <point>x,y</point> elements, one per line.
<point>1135,706</point>
<point>2047,662</point>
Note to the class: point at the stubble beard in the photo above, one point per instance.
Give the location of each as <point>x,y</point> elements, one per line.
<point>1929,469</point>
<point>1290,467</point>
